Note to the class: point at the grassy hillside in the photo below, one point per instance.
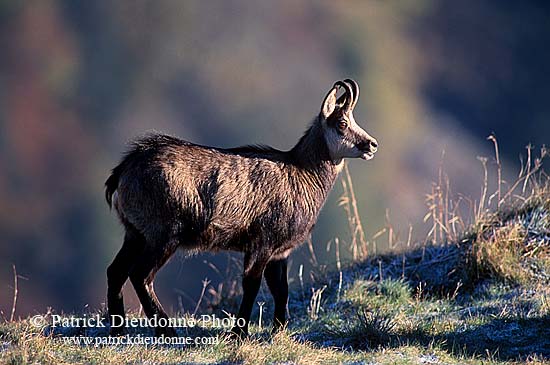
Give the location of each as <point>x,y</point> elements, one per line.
<point>469,294</point>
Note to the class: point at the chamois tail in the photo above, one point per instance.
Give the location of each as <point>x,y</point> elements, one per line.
<point>112,184</point>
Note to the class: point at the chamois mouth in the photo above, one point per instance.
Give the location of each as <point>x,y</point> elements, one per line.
<point>367,149</point>
<point>367,155</point>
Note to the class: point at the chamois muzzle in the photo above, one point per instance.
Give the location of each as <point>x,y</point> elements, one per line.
<point>369,148</point>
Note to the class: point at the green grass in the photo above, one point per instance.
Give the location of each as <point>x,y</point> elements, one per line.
<point>372,323</point>
<point>482,298</point>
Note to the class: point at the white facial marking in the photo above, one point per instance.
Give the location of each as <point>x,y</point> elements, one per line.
<point>340,147</point>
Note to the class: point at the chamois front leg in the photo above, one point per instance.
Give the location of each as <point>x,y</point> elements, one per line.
<point>252,279</point>
<point>276,278</point>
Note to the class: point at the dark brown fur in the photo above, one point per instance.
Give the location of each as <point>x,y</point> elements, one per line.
<point>263,202</point>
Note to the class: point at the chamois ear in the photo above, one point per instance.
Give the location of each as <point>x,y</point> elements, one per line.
<point>329,104</point>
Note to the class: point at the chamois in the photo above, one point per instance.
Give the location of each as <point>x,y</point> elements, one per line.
<point>170,194</point>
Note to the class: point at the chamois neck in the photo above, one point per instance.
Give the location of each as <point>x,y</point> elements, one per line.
<point>311,150</point>
<point>311,156</point>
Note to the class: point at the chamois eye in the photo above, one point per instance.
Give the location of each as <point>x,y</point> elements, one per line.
<point>342,125</point>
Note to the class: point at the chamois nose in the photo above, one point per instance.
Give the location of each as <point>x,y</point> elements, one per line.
<point>368,146</point>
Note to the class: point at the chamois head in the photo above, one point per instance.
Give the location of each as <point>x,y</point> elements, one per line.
<point>344,137</point>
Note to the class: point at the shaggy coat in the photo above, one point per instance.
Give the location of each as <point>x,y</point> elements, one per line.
<point>170,194</point>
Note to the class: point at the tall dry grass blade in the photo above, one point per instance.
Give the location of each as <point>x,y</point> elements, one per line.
<point>440,200</point>
<point>391,239</point>
<point>313,259</point>
<point>301,278</point>
<point>529,147</point>
<point>432,207</point>
<point>375,237</point>
<point>446,209</point>
<point>409,236</point>
<point>481,206</point>
<point>315,302</point>
<point>527,177</point>
<point>344,202</point>
<point>337,250</point>
<point>15,292</point>
<point>338,266</point>
<point>261,305</point>
<point>359,244</point>
<point>205,284</point>
<point>493,139</point>
<point>213,267</point>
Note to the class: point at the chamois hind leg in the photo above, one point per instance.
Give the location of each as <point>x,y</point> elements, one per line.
<point>142,275</point>
<point>117,274</point>
<point>252,279</point>
<point>276,278</point>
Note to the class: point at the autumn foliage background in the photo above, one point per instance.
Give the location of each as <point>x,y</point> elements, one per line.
<point>79,79</point>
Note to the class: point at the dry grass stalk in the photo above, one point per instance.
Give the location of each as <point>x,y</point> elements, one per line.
<point>493,139</point>
<point>338,265</point>
<point>301,278</point>
<point>315,302</point>
<point>261,305</point>
<point>484,189</point>
<point>447,223</point>
<point>526,177</point>
<point>441,216</point>
<point>409,237</point>
<point>528,166</point>
<point>442,211</point>
<point>359,246</point>
<point>205,284</point>
<point>15,292</point>
<point>389,227</point>
<point>313,259</point>
<point>337,249</point>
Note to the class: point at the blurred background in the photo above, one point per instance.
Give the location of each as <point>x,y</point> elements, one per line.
<point>78,79</point>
